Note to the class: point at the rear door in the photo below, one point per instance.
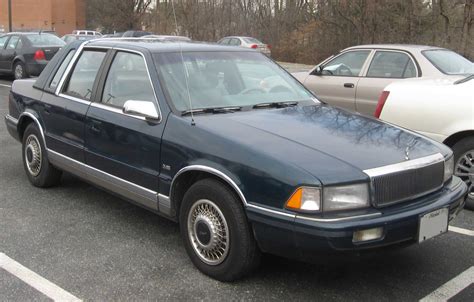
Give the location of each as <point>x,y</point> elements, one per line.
<point>125,146</point>
<point>387,66</point>
<point>67,99</point>
<point>9,53</point>
<point>3,42</point>
<point>337,82</point>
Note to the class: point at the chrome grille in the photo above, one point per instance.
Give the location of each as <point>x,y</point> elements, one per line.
<point>408,183</point>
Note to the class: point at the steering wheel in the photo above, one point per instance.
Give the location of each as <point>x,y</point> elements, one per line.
<point>251,90</point>
<point>344,70</point>
<point>279,88</point>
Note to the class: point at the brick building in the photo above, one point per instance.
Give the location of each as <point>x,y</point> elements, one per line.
<point>63,16</point>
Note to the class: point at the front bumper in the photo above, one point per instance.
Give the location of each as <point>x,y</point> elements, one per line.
<point>304,237</point>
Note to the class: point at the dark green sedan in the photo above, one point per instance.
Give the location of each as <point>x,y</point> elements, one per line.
<point>229,145</point>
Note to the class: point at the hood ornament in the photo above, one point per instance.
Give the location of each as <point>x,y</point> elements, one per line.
<point>410,145</point>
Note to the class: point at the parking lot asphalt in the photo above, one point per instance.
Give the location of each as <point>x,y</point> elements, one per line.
<point>98,247</point>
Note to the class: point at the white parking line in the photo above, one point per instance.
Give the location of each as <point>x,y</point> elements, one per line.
<point>5,85</point>
<point>452,287</point>
<point>34,280</point>
<point>461,231</point>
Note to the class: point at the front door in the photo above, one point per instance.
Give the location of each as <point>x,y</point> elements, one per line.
<point>124,145</point>
<point>336,82</point>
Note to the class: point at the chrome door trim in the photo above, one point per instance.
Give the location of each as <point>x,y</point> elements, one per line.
<point>71,98</point>
<point>164,205</point>
<point>116,110</point>
<point>406,165</point>
<point>69,67</point>
<point>132,191</point>
<point>216,172</point>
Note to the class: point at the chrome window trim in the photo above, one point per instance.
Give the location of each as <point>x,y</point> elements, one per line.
<point>391,50</point>
<point>406,165</point>
<point>72,98</point>
<point>12,119</point>
<point>212,171</point>
<point>155,101</point>
<point>115,110</point>
<point>69,67</point>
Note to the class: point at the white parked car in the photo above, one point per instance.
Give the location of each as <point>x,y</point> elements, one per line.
<point>247,42</point>
<point>442,109</point>
<point>86,32</point>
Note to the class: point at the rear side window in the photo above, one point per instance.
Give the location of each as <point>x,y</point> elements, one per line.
<point>84,73</point>
<point>3,40</point>
<point>12,43</point>
<point>57,77</point>
<point>391,64</point>
<point>45,40</point>
<point>449,62</point>
<point>127,80</point>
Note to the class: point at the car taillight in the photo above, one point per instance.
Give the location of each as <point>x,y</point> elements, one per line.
<point>254,46</point>
<point>39,55</point>
<point>383,97</point>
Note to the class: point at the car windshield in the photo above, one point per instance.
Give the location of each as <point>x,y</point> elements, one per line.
<point>449,62</point>
<point>226,79</point>
<point>45,40</point>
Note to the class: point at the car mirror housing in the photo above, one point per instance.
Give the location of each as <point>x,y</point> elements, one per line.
<point>318,70</point>
<point>145,109</point>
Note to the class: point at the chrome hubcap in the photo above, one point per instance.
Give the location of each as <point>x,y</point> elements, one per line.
<point>465,170</point>
<point>33,155</point>
<point>18,72</point>
<point>208,232</point>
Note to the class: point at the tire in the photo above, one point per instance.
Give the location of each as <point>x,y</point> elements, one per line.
<point>19,71</point>
<point>464,157</point>
<point>210,205</point>
<point>35,160</point>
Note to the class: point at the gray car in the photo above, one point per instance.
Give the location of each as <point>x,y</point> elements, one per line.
<point>247,42</point>
<point>355,77</point>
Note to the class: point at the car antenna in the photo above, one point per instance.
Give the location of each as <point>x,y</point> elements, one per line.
<point>186,74</point>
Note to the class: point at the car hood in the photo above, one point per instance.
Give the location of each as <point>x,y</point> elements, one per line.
<point>322,140</point>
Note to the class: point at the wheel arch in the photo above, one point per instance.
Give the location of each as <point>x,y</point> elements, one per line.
<point>188,175</point>
<point>24,120</point>
<point>451,140</point>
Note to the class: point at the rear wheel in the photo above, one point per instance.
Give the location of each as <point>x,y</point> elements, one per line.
<point>35,160</point>
<point>464,166</point>
<point>216,233</point>
<point>19,70</point>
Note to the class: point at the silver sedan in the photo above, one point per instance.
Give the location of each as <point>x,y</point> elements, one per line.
<point>247,42</point>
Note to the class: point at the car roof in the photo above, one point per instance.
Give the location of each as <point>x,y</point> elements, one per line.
<point>406,47</point>
<point>24,33</point>
<point>160,45</point>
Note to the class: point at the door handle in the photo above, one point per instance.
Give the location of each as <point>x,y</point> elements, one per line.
<point>95,127</point>
<point>349,85</point>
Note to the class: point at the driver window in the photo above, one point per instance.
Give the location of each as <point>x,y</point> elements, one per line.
<point>348,64</point>
<point>127,80</point>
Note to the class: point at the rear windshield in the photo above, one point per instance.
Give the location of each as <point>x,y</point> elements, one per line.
<point>449,62</point>
<point>45,40</point>
<point>252,40</point>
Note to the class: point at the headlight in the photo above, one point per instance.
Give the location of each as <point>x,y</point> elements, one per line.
<point>448,168</point>
<point>346,197</point>
<point>305,199</point>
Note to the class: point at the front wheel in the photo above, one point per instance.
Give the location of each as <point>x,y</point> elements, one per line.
<point>216,233</point>
<point>464,166</point>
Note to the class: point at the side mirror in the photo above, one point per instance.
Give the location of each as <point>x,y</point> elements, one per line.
<point>141,108</point>
<point>318,70</point>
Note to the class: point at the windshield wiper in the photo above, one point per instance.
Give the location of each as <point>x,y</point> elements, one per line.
<point>468,78</point>
<point>213,110</point>
<point>275,105</point>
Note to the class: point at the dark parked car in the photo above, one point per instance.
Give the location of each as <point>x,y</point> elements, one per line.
<point>26,54</point>
<point>228,144</point>
<point>71,38</point>
<point>135,33</point>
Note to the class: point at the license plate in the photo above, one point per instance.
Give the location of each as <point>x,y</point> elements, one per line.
<point>433,224</point>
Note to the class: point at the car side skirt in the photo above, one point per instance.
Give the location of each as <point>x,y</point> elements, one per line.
<point>142,196</point>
